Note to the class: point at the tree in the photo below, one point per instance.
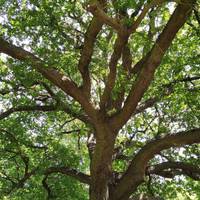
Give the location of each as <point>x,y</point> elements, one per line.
<point>95,97</point>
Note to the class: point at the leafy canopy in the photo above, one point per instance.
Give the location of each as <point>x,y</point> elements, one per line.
<point>42,127</point>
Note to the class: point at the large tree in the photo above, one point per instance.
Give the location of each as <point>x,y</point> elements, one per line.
<point>99,99</point>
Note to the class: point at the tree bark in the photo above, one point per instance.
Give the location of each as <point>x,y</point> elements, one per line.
<point>101,175</point>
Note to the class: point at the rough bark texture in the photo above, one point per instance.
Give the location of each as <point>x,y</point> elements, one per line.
<point>101,174</point>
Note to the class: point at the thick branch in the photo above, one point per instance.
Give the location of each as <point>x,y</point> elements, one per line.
<point>110,82</point>
<point>101,15</point>
<point>136,170</point>
<point>86,54</point>
<point>69,172</point>
<point>50,73</point>
<point>171,169</point>
<point>151,62</point>
<point>56,77</point>
<point>126,59</point>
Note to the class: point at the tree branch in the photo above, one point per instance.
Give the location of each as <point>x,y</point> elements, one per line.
<point>46,187</point>
<point>151,62</point>
<point>110,82</point>
<point>146,8</point>
<point>56,77</point>
<point>47,108</point>
<point>197,16</point>
<point>50,73</point>
<point>126,59</point>
<point>86,54</point>
<point>135,173</point>
<point>168,90</point>
<point>69,172</point>
<point>27,108</point>
<point>147,104</point>
<point>171,169</point>
<point>101,15</point>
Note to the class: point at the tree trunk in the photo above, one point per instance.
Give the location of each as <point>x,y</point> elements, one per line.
<point>101,174</point>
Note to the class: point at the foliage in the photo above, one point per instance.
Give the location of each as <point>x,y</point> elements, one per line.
<point>42,127</point>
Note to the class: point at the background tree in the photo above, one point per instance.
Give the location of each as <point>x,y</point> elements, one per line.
<point>96,101</point>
